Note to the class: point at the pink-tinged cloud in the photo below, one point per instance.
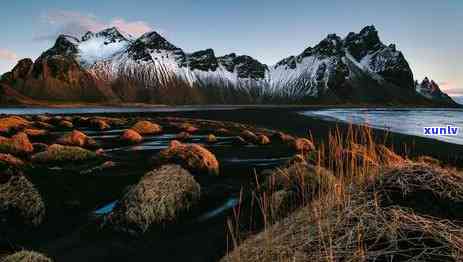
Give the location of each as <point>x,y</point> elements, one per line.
<point>8,55</point>
<point>450,88</point>
<point>77,24</point>
<point>136,28</point>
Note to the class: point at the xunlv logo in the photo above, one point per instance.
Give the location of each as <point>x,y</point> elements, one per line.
<point>441,130</point>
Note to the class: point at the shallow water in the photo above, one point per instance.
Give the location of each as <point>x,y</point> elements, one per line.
<point>404,121</point>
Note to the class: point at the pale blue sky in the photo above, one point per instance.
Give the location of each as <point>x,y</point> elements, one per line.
<point>429,33</point>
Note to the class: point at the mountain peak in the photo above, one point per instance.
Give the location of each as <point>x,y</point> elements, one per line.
<point>367,40</point>
<point>153,40</point>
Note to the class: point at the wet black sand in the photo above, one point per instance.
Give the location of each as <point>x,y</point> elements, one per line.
<point>70,232</point>
<point>288,120</point>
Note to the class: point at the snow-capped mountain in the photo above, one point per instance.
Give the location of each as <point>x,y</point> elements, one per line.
<point>110,65</point>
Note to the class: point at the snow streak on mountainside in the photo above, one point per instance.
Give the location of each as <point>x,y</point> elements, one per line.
<point>357,68</point>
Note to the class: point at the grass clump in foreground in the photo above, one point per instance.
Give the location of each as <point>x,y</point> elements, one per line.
<point>160,198</point>
<point>20,202</point>
<point>378,207</point>
<point>58,153</point>
<point>26,256</point>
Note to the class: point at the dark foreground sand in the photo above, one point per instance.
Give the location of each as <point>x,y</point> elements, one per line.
<point>75,237</point>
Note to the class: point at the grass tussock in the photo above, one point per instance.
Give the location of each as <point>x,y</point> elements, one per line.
<point>59,153</point>
<point>26,256</point>
<point>20,202</point>
<point>426,188</point>
<point>358,231</point>
<point>160,198</point>
<point>373,205</point>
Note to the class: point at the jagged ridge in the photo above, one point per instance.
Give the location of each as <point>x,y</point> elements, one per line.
<point>110,65</point>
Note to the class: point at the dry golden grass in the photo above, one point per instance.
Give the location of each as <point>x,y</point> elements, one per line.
<point>25,256</point>
<point>347,218</point>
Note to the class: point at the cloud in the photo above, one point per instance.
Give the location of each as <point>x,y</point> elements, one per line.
<point>76,24</point>
<point>450,88</point>
<point>8,55</point>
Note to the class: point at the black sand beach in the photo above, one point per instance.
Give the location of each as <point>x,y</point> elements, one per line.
<point>71,234</point>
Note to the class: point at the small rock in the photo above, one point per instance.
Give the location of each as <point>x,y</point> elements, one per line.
<point>39,147</point>
<point>43,125</point>
<point>76,138</point>
<point>282,137</point>
<point>263,140</point>
<point>222,132</point>
<point>65,124</point>
<point>189,128</point>
<point>35,132</point>
<point>147,128</point>
<point>131,136</point>
<point>99,124</point>
<point>249,136</point>
<point>302,145</point>
<point>193,157</point>
<point>182,136</point>
<point>211,139</point>
<point>239,141</point>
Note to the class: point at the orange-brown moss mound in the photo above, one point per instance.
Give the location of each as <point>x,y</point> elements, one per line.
<point>17,144</point>
<point>10,123</point>
<point>192,157</point>
<point>147,128</point>
<point>76,138</point>
<point>131,136</point>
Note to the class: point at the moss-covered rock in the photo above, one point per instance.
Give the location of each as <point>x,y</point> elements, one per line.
<point>32,132</point>
<point>20,202</point>
<point>147,128</point>
<point>65,124</point>
<point>183,136</point>
<point>131,136</point>
<point>249,136</point>
<point>262,140</point>
<point>282,137</point>
<point>77,138</point>
<point>188,127</point>
<point>192,157</point>
<point>11,123</point>
<point>59,153</point>
<point>301,145</point>
<point>26,256</point>
<point>18,144</point>
<point>99,124</point>
<point>160,198</point>
<point>211,138</point>
<point>7,160</point>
